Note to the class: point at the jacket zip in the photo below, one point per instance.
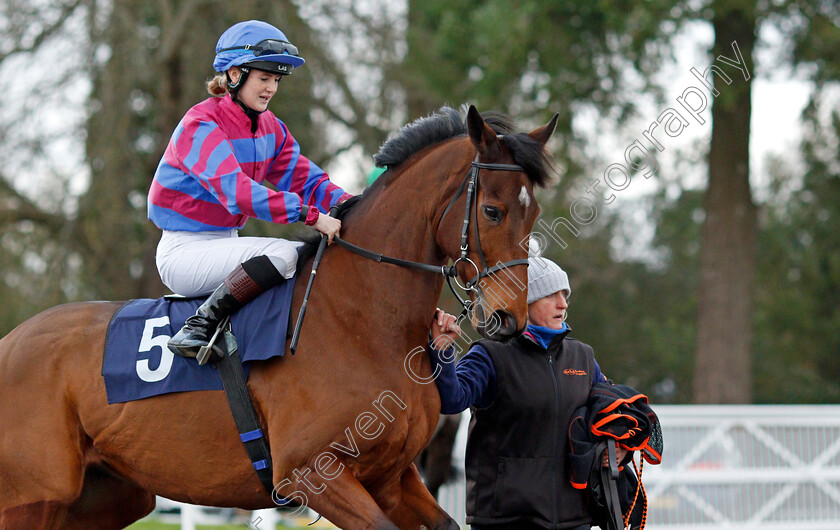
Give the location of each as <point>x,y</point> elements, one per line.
<point>554,444</point>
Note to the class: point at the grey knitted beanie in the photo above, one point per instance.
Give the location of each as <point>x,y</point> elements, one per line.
<point>546,278</point>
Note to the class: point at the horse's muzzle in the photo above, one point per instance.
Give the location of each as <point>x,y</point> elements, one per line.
<point>500,326</point>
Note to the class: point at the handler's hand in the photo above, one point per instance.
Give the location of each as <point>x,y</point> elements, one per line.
<point>620,453</point>
<point>329,226</point>
<point>444,330</point>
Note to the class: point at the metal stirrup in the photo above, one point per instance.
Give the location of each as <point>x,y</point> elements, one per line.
<point>205,353</point>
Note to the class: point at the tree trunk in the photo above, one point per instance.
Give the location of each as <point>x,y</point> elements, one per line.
<point>723,364</point>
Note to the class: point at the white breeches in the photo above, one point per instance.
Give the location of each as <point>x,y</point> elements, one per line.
<point>195,263</point>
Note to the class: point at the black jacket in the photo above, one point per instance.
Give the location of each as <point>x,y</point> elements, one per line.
<point>516,458</point>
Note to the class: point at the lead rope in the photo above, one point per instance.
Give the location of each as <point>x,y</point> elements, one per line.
<point>639,487</point>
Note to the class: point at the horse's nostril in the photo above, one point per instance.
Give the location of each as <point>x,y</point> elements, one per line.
<point>501,325</point>
<point>506,322</point>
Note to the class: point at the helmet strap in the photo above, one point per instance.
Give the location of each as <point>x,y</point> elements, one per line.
<point>253,115</point>
<point>232,87</point>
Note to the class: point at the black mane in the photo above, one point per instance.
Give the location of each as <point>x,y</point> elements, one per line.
<point>448,123</point>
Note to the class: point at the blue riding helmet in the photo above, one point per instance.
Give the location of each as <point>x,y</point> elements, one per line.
<point>257,45</point>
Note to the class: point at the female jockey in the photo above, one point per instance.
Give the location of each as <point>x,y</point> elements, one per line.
<point>208,184</point>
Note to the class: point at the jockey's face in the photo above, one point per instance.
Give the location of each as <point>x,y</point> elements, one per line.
<point>258,89</point>
<point>549,311</point>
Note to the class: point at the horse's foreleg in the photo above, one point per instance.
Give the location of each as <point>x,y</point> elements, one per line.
<point>410,505</point>
<point>108,501</point>
<point>342,500</point>
<point>437,456</point>
<point>43,514</point>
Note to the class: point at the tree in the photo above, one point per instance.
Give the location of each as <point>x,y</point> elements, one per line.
<point>723,360</point>
<point>539,59</point>
<point>564,56</point>
<point>798,291</point>
<point>36,210</point>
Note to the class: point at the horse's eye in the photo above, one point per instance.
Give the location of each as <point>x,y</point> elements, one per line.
<point>493,213</point>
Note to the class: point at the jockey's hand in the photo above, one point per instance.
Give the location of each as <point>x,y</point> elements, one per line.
<point>444,330</point>
<point>329,226</point>
<point>620,453</point>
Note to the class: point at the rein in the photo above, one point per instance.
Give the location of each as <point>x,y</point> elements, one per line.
<point>470,182</point>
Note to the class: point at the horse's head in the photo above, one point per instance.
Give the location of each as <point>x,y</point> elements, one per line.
<point>498,215</point>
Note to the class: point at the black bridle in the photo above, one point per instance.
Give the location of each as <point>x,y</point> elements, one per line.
<point>470,183</point>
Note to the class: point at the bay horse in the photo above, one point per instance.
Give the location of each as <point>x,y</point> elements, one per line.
<point>343,406</point>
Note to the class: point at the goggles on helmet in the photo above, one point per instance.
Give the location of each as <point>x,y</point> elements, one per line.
<point>267,47</point>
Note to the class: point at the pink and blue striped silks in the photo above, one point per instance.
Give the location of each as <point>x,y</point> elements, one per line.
<point>211,172</point>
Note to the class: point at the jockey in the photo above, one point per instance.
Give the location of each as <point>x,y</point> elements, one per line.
<point>208,183</point>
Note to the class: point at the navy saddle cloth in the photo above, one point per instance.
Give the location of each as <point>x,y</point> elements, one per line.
<point>137,364</point>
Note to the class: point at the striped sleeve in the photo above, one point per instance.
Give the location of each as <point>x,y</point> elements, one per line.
<point>204,152</point>
<point>293,172</point>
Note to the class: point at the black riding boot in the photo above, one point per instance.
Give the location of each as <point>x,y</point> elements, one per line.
<point>246,282</point>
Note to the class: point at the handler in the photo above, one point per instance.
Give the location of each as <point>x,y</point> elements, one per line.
<point>208,183</point>
<point>522,394</point>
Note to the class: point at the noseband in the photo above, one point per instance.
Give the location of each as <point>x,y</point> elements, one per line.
<point>470,183</point>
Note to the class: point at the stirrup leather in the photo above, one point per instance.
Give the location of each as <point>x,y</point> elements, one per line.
<point>210,351</point>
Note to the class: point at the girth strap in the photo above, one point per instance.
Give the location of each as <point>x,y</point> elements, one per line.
<point>244,415</point>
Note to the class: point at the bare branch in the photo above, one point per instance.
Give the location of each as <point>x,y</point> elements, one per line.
<point>174,28</point>
<point>14,207</point>
<point>66,10</point>
<point>367,134</point>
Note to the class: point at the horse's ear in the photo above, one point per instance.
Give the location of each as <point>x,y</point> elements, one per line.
<point>542,134</point>
<point>482,136</point>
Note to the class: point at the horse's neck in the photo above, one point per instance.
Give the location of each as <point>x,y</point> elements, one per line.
<point>400,219</point>
<point>398,222</point>
<point>399,229</point>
